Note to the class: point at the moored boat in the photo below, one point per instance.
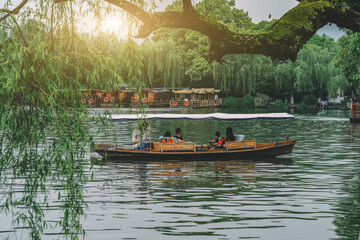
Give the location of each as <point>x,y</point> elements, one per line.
<point>355,113</point>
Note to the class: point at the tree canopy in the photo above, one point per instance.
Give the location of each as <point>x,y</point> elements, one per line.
<point>282,40</point>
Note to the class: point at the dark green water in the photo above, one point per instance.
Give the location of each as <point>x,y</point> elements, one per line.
<point>313,193</point>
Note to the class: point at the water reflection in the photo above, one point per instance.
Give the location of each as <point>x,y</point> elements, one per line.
<point>347,218</point>
<point>185,195</point>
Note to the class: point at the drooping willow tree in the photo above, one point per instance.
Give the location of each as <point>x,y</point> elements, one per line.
<point>162,67</point>
<point>243,74</point>
<point>44,133</point>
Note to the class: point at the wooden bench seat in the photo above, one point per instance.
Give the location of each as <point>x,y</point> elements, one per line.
<point>240,145</point>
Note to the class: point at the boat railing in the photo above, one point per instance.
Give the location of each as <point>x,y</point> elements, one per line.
<point>195,103</point>
<point>236,145</point>
<point>175,147</point>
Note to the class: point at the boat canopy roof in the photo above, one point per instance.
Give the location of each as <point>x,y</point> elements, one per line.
<point>210,116</point>
<point>196,90</point>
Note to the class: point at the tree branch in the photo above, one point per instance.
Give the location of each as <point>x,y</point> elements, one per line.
<point>14,11</point>
<point>282,41</point>
<point>132,9</point>
<point>20,32</point>
<point>187,6</point>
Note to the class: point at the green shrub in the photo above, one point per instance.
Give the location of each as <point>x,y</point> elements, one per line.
<point>246,102</point>
<point>309,100</point>
<point>301,105</point>
<point>261,100</point>
<point>230,102</point>
<point>281,105</point>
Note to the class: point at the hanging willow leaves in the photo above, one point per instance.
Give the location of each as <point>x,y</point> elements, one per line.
<point>44,131</point>
<point>243,74</point>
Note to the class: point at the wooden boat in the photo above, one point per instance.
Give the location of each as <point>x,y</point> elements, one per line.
<point>355,113</point>
<point>189,151</point>
<point>235,150</point>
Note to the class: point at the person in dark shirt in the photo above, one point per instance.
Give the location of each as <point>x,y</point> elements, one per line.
<point>178,135</point>
<point>217,143</point>
<point>167,134</point>
<point>230,135</point>
<point>217,137</point>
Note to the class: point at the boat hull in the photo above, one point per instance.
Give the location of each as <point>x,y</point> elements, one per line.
<point>355,119</point>
<point>261,151</point>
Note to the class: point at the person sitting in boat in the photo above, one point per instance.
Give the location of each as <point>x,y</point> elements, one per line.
<point>178,135</point>
<point>218,142</point>
<point>229,135</point>
<point>143,132</point>
<point>217,137</point>
<point>167,138</point>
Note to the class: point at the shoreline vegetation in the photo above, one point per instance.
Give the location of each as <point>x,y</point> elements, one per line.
<point>264,101</point>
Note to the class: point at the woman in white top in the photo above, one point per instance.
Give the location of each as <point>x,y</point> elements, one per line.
<point>142,132</point>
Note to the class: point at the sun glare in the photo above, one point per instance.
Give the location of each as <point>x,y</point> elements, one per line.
<point>113,24</point>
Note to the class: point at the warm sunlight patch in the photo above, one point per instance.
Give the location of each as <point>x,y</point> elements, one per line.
<point>113,24</point>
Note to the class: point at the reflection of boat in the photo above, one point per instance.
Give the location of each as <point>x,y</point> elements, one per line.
<point>188,151</point>
<point>355,113</point>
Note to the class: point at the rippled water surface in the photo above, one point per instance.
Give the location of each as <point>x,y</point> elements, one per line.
<point>313,193</point>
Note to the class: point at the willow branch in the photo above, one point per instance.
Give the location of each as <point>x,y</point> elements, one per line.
<point>16,10</point>
<point>20,32</point>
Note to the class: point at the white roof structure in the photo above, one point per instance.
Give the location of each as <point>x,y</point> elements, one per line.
<point>211,116</point>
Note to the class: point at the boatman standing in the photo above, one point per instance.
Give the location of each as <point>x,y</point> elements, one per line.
<point>141,134</point>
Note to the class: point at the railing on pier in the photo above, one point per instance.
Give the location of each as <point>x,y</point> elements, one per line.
<point>195,103</point>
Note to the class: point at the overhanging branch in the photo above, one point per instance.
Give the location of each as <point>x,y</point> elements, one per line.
<point>11,12</point>
<point>282,41</point>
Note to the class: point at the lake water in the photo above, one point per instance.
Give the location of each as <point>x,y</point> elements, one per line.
<point>313,193</point>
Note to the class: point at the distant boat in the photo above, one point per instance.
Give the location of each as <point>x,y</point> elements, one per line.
<point>210,116</point>
<point>355,113</point>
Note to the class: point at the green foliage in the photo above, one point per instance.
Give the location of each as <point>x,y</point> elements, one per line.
<point>245,102</point>
<point>348,58</point>
<point>301,105</point>
<point>281,105</point>
<point>230,102</point>
<point>243,74</point>
<point>315,70</point>
<point>285,76</point>
<point>192,46</point>
<point>261,100</point>
<point>44,127</point>
<point>309,100</point>
<point>162,67</point>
